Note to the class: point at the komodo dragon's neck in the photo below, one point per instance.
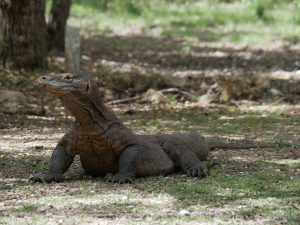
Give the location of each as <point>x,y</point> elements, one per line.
<point>91,115</point>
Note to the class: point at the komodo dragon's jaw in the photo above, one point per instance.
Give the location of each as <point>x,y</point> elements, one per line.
<point>64,83</point>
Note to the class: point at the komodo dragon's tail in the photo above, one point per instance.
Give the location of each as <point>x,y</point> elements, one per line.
<point>214,143</point>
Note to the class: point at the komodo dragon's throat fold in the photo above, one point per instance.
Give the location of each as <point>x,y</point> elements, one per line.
<point>95,113</point>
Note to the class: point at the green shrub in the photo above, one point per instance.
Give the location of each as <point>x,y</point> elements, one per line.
<point>260,11</point>
<point>127,6</point>
<point>98,4</point>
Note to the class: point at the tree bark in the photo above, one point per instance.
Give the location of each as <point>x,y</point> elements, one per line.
<point>23,33</point>
<point>57,21</point>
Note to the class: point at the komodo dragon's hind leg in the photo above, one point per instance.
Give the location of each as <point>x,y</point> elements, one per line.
<point>185,159</point>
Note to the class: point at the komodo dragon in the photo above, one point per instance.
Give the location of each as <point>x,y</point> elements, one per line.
<point>108,148</point>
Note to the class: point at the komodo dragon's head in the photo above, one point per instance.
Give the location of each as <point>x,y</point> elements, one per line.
<point>65,83</point>
<point>77,92</point>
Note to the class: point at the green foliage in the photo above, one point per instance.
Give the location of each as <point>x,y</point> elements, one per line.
<point>96,4</point>
<point>171,99</point>
<point>260,11</point>
<point>131,7</point>
<point>293,39</point>
<point>239,21</point>
<point>268,2</point>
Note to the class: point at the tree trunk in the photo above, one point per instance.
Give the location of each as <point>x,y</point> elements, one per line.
<point>23,33</point>
<point>57,23</point>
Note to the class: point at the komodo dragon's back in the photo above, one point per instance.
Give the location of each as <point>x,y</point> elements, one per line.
<point>108,148</point>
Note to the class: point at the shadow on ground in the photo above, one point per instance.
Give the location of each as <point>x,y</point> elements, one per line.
<point>177,54</point>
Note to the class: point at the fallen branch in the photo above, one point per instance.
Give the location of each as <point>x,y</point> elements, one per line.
<point>175,90</point>
<point>125,100</point>
<point>139,97</point>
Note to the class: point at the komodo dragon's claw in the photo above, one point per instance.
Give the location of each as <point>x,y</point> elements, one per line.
<point>199,170</point>
<point>118,178</point>
<point>36,179</point>
<point>48,178</point>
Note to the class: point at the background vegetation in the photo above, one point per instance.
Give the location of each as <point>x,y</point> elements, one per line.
<point>239,22</point>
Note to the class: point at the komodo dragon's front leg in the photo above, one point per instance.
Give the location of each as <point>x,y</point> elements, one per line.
<point>61,159</point>
<point>126,146</point>
<point>127,166</point>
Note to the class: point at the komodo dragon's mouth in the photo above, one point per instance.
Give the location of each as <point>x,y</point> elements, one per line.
<point>55,89</point>
<point>46,87</point>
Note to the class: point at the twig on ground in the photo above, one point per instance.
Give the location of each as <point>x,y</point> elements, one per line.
<point>175,90</point>
<point>139,97</point>
<point>125,100</point>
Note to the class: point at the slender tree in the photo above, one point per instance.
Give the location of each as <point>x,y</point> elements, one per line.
<point>23,33</point>
<point>57,21</point>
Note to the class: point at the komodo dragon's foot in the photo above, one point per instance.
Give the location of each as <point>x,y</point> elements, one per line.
<point>119,178</point>
<point>198,170</point>
<point>48,178</point>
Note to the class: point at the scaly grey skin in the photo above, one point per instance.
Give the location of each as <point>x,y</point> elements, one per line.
<point>108,148</point>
